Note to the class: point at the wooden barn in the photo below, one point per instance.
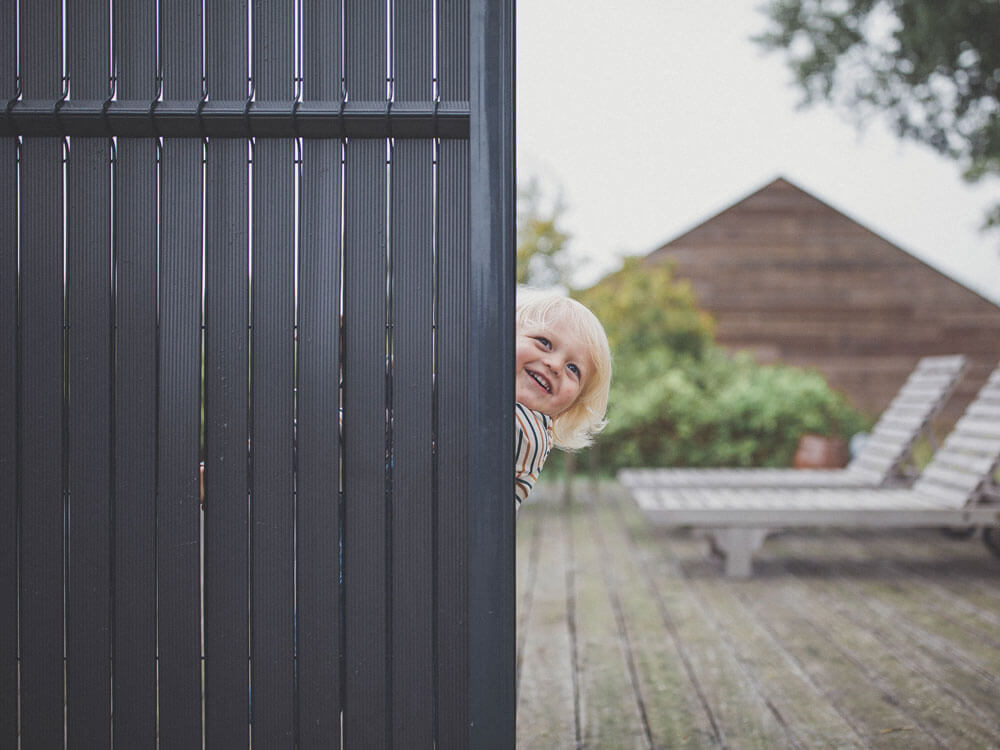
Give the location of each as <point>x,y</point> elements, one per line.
<point>790,278</point>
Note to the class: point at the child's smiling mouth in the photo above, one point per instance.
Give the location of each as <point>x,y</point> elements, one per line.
<point>540,380</point>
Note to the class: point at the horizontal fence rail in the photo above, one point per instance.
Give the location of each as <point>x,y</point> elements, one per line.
<point>244,293</point>
<point>256,119</point>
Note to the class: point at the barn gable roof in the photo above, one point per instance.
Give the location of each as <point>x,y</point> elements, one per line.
<point>782,197</point>
<point>790,278</point>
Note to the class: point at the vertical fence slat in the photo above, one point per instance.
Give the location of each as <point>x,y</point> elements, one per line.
<point>135,445</point>
<point>413,50</point>
<point>413,513</point>
<point>88,638</point>
<point>178,509</point>
<point>317,418</point>
<point>367,717</point>
<point>227,634</point>
<point>318,478</point>
<point>272,506</point>
<point>412,491</point>
<point>365,50</point>
<point>88,596</point>
<point>452,374</point>
<point>8,387</point>
<point>134,649</point>
<point>41,453</point>
<point>226,391</point>
<point>491,376</point>
<point>452,432</point>
<point>41,391</point>
<point>8,443</point>
<point>272,402</point>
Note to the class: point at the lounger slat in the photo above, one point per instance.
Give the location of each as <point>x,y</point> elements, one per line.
<point>985,410</point>
<point>903,422</point>
<point>949,453</point>
<point>945,361</point>
<point>980,427</point>
<point>872,463</point>
<point>924,386</point>
<point>879,450</point>
<point>882,445</point>
<point>974,468</point>
<point>991,391</point>
<point>914,389</point>
<point>934,378</point>
<point>909,406</point>
<point>892,432</point>
<point>871,477</point>
<point>758,477</point>
<point>949,496</point>
<point>972,443</point>
<point>910,413</point>
<point>953,477</point>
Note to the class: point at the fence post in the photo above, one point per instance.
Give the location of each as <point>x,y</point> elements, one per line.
<point>491,378</point>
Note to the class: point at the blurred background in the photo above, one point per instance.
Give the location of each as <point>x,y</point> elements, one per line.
<point>775,208</point>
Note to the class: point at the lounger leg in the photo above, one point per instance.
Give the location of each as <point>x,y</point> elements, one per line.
<point>738,545</point>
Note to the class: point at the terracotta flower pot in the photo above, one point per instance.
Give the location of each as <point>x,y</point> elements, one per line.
<point>820,452</point>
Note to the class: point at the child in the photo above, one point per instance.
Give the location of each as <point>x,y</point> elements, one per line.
<point>562,376</point>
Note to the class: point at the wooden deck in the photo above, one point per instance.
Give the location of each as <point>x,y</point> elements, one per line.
<point>629,636</point>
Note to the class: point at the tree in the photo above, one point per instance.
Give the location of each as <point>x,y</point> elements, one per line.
<point>644,308</point>
<point>933,67</point>
<point>542,255</point>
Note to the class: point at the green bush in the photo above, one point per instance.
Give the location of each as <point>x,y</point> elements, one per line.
<point>717,410</point>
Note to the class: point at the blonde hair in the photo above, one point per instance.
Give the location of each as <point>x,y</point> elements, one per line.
<point>584,419</point>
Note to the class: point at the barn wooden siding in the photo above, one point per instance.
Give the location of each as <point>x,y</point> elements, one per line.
<point>793,280</point>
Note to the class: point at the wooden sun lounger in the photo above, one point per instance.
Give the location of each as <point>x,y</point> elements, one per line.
<point>880,461</point>
<point>955,490</point>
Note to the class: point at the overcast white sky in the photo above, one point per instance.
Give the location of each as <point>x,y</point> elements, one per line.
<point>650,116</point>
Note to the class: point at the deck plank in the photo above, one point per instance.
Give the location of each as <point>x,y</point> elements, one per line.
<point>528,547</point>
<point>609,708</point>
<point>675,707</point>
<point>545,704</point>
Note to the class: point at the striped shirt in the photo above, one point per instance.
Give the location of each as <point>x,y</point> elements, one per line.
<point>532,442</point>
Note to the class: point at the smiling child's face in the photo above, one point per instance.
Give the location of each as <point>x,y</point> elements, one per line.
<point>551,367</point>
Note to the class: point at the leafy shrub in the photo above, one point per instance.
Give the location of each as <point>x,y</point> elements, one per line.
<point>718,410</point>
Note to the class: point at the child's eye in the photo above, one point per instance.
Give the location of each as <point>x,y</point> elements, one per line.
<point>573,369</point>
<point>543,341</point>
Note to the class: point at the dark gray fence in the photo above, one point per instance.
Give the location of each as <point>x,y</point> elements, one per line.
<point>224,224</point>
